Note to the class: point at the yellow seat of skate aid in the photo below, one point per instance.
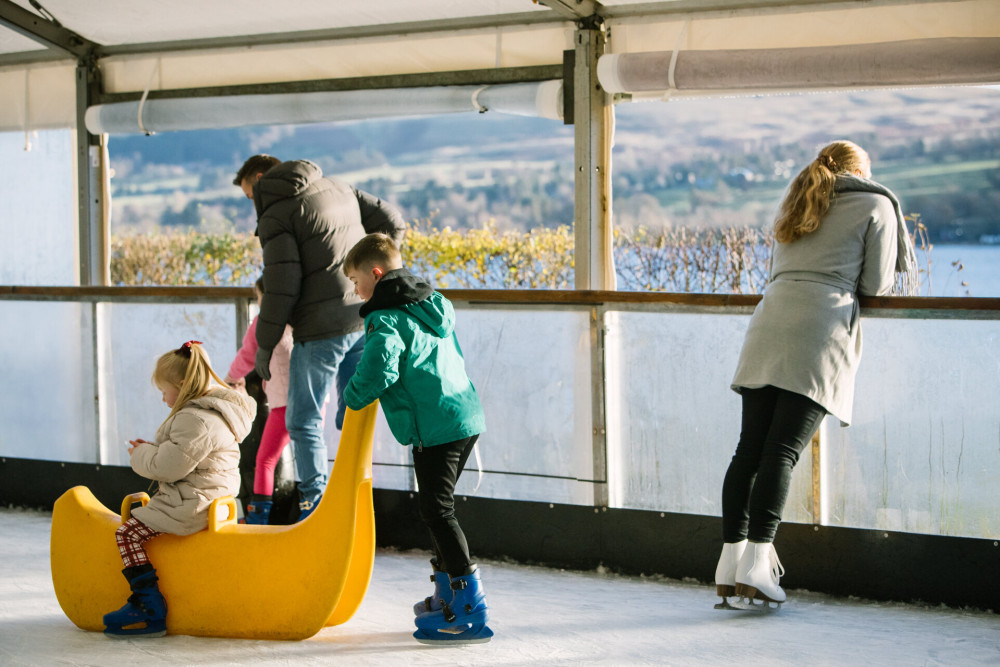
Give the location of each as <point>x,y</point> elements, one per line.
<point>232,580</point>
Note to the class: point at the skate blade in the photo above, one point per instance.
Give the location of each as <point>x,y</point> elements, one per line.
<point>726,605</point>
<point>754,605</point>
<point>128,632</point>
<point>454,636</point>
<point>433,623</point>
<point>749,598</point>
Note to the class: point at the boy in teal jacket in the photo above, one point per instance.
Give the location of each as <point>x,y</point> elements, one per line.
<point>413,364</point>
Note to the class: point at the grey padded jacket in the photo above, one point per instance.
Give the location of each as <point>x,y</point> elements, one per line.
<point>307,224</point>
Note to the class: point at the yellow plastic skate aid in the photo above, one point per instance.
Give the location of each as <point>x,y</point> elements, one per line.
<point>232,580</point>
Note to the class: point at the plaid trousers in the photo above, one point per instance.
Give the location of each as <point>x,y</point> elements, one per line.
<point>130,537</point>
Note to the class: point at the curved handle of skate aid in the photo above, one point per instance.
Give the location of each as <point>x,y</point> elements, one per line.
<point>132,499</point>
<point>227,581</point>
<point>229,504</point>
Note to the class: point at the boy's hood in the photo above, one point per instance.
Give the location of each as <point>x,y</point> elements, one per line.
<point>401,289</point>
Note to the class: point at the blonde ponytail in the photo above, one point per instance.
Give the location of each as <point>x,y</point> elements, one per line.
<point>187,368</point>
<point>809,196</point>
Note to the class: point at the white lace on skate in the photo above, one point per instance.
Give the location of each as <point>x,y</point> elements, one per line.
<point>777,570</point>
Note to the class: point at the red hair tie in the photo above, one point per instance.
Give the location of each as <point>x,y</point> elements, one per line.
<point>185,349</point>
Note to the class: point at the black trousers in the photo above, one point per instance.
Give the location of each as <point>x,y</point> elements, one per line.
<point>777,425</point>
<point>437,469</point>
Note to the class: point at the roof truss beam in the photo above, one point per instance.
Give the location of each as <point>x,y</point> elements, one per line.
<point>573,9</point>
<point>44,32</point>
<point>703,8</point>
<point>453,78</point>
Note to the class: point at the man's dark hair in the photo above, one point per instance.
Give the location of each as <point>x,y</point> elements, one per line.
<point>258,164</point>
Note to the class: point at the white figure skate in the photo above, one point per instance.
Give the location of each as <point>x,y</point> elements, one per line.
<point>725,572</point>
<point>757,578</point>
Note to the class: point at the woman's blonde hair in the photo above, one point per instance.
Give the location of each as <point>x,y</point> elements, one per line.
<point>187,368</point>
<point>809,196</point>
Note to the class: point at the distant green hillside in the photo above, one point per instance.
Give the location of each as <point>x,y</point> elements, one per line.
<point>698,163</point>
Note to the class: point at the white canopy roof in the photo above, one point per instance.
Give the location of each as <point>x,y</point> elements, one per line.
<point>193,44</point>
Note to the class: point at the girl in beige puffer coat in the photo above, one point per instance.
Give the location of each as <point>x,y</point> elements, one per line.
<point>195,460</point>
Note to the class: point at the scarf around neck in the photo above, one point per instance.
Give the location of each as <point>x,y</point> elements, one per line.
<point>906,259</point>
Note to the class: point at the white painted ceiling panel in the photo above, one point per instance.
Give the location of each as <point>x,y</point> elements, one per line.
<point>116,22</point>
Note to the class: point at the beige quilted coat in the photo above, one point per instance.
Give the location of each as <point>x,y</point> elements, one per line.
<point>195,459</point>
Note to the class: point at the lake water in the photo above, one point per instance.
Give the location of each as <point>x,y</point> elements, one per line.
<point>980,270</point>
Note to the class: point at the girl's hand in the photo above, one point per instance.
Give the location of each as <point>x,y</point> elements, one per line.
<point>132,444</point>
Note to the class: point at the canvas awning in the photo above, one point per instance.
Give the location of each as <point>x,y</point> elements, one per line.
<point>189,45</point>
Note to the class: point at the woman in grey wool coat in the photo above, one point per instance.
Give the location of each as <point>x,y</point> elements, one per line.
<point>839,235</point>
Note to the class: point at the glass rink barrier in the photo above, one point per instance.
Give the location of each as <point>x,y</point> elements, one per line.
<point>601,399</point>
<point>47,406</point>
<point>921,455</point>
<point>532,370</point>
<point>80,363</point>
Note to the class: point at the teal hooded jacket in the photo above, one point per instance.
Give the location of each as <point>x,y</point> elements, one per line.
<point>413,365</point>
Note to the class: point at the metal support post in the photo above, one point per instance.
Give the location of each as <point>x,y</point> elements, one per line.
<point>92,179</point>
<point>92,234</point>
<point>104,414</point>
<point>818,504</point>
<point>598,328</point>
<point>593,119</point>
<point>593,265</point>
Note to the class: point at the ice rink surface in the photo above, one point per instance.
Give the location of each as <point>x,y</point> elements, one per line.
<point>540,616</point>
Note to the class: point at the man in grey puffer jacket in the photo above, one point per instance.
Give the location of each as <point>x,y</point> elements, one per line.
<point>307,224</point>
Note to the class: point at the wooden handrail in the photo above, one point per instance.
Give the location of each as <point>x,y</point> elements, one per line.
<point>72,292</point>
<point>509,297</point>
<point>597,297</point>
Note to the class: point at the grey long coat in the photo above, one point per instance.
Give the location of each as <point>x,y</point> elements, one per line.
<point>805,334</point>
<point>195,459</point>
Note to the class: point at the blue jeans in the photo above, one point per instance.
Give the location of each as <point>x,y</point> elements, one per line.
<point>312,370</point>
<point>344,375</point>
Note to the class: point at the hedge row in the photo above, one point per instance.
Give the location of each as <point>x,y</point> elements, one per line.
<point>675,260</point>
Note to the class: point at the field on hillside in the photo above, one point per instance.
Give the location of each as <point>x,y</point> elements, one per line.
<point>711,162</point>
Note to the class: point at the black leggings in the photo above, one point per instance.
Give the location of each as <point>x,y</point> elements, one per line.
<point>437,469</point>
<point>777,425</point>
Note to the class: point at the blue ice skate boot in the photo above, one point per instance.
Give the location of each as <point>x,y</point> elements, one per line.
<point>442,591</point>
<point>145,613</point>
<point>306,507</point>
<point>259,511</point>
<point>461,621</point>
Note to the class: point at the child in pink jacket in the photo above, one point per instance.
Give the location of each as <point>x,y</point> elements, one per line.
<point>275,435</point>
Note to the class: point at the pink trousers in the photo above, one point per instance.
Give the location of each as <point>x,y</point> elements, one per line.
<point>272,443</point>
